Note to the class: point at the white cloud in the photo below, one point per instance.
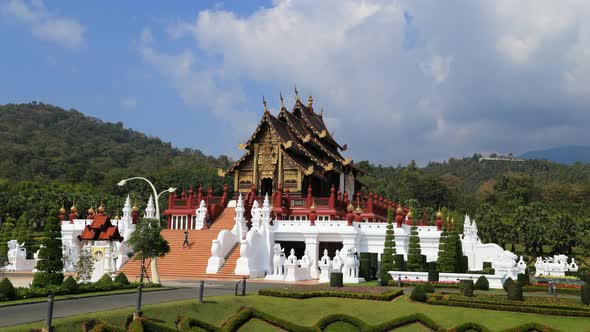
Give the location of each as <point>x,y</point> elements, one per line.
<point>515,74</point>
<point>129,103</point>
<point>45,25</point>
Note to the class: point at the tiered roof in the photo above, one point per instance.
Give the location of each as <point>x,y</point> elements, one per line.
<point>304,139</point>
<point>101,228</point>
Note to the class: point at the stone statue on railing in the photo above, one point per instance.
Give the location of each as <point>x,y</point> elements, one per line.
<point>306,264</point>
<point>278,260</point>
<point>507,265</point>
<point>554,266</point>
<point>201,215</point>
<point>351,264</point>
<point>325,265</point>
<point>337,262</point>
<point>256,213</point>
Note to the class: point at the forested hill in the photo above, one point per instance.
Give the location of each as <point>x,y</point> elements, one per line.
<point>42,142</point>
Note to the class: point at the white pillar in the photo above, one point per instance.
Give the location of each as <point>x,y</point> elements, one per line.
<point>312,246</point>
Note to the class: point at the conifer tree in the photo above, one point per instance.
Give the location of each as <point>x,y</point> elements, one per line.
<point>22,231</point>
<point>50,264</point>
<point>450,251</point>
<point>414,252</point>
<point>388,250</point>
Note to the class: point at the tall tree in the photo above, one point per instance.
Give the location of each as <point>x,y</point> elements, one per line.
<point>50,264</point>
<point>415,262</point>
<point>388,250</point>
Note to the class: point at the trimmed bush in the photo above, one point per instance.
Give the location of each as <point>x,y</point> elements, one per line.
<point>364,268</point>
<point>399,263</point>
<point>432,266</point>
<point>7,291</point>
<point>514,292</point>
<point>70,284</point>
<point>507,283</point>
<point>336,279</point>
<point>482,283</point>
<point>467,287</point>
<point>524,279</point>
<point>585,294</point>
<point>428,287</point>
<point>487,265</point>
<point>121,278</point>
<point>45,279</point>
<point>464,264</point>
<point>433,275</point>
<point>418,294</point>
<point>105,280</point>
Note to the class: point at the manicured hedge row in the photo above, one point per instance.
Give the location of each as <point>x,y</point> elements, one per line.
<point>572,291</point>
<point>434,284</point>
<point>494,306</point>
<point>276,292</point>
<point>500,300</point>
<point>188,323</point>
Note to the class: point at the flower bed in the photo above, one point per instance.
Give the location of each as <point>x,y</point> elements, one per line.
<point>351,292</point>
<point>539,305</point>
<point>435,284</point>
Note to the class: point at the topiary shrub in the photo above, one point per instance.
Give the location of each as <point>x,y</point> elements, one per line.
<point>585,294</point>
<point>7,291</point>
<point>433,275</point>
<point>524,279</point>
<point>507,283</point>
<point>428,287</point>
<point>482,283</point>
<point>336,279</point>
<point>514,292</point>
<point>105,282</point>
<point>467,287</point>
<point>121,278</point>
<point>399,263</point>
<point>418,294</point>
<point>70,284</point>
<point>41,279</point>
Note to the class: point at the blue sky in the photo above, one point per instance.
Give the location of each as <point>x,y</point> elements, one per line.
<point>397,80</point>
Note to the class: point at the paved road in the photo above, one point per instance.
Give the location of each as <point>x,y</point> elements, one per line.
<point>27,313</point>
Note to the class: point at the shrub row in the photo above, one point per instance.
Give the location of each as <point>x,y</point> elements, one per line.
<point>573,291</point>
<point>544,310</point>
<point>68,287</point>
<point>277,292</point>
<point>235,322</point>
<point>434,284</point>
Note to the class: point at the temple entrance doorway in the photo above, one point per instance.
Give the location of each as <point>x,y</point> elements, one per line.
<point>266,187</point>
<point>299,247</point>
<point>331,246</point>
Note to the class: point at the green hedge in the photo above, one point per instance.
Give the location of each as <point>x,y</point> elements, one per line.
<point>439,299</point>
<point>278,292</point>
<point>482,283</point>
<point>514,292</point>
<point>336,279</point>
<point>572,291</point>
<point>585,294</point>
<point>418,294</point>
<point>35,292</point>
<point>467,287</point>
<point>7,290</point>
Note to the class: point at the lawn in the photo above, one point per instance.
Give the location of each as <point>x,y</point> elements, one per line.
<point>306,312</point>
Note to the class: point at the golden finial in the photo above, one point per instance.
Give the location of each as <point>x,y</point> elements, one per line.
<point>409,215</point>
<point>101,208</point>
<point>310,101</point>
<point>439,214</point>
<point>63,208</point>
<point>312,207</point>
<point>264,103</point>
<point>358,209</point>
<point>350,207</point>
<point>91,210</point>
<point>135,208</point>
<point>296,93</point>
<point>282,103</point>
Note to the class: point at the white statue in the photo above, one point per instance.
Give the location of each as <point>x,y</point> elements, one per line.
<point>337,261</point>
<point>325,259</point>
<point>201,214</point>
<point>351,264</point>
<point>554,266</point>
<point>292,259</point>
<point>325,267</point>
<point>278,260</point>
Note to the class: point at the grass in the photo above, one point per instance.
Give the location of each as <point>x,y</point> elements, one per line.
<point>76,296</point>
<point>306,312</point>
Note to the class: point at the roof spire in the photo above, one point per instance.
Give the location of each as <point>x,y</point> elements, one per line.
<point>310,101</point>
<point>296,93</point>
<point>322,112</point>
<point>264,103</point>
<point>282,104</point>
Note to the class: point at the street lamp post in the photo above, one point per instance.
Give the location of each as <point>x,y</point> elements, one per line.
<point>155,275</point>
